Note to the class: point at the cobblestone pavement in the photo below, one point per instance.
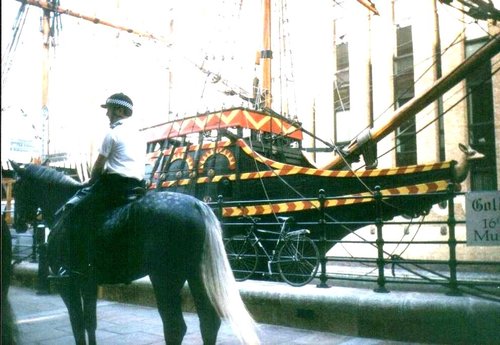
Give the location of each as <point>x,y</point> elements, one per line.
<point>43,320</point>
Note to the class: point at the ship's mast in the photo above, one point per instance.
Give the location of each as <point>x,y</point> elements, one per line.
<point>47,7</point>
<point>266,55</point>
<point>45,81</point>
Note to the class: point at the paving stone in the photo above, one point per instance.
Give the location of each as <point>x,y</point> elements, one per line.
<point>43,320</point>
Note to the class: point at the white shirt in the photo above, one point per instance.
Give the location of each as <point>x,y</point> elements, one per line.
<point>124,148</point>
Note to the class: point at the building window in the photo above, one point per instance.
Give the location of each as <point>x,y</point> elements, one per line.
<point>341,88</point>
<point>406,138</point>
<point>480,110</point>
<point>341,91</point>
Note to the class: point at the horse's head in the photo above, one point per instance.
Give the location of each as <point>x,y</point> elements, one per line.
<point>25,210</point>
<point>40,188</point>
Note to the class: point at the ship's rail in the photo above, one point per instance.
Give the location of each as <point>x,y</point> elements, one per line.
<point>453,269</point>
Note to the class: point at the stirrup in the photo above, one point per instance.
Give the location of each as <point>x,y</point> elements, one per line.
<point>62,274</point>
<point>135,193</point>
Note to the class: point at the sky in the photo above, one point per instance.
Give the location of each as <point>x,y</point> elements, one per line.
<point>89,62</point>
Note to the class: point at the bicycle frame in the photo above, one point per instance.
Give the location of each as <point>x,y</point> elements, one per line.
<point>295,254</point>
<point>270,258</point>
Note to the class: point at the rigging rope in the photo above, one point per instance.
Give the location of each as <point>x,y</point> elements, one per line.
<point>392,105</point>
<point>465,95</point>
<point>17,29</point>
<point>330,218</point>
<point>56,23</point>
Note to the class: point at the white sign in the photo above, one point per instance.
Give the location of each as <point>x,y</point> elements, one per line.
<point>482,214</point>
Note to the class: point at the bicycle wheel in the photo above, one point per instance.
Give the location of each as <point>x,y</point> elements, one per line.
<point>242,255</point>
<point>298,260</point>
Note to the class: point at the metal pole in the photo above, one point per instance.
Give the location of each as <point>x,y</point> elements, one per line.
<point>220,204</point>
<point>380,242</point>
<point>322,246</point>
<point>34,243</point>
<point>452,243</point>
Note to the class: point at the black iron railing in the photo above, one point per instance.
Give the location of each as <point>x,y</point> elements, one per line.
<point>385,268</point>
<point>382,269</point>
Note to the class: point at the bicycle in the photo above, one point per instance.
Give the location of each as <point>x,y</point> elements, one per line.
<point>295,254</point>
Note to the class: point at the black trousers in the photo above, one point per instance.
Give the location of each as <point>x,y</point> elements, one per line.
<point>111,190</point>
<point>82,217</point>
<point>108,192</point>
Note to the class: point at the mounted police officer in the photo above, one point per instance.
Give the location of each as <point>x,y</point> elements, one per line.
<point>120,164</point>
<point>117,174</point>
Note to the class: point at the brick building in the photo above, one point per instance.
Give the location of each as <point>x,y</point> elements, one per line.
<point>383,61</point>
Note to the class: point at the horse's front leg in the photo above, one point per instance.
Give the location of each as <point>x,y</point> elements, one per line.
<point>89,294</point>
<point>70,294</point>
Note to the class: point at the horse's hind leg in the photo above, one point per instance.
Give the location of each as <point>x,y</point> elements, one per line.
<point>89,294</point>
<point>168,298</point>
<point>70,294</point>
<point>209,319</point>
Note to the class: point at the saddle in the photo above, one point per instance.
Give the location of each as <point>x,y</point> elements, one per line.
<point>76,215</point>
<point>129,196</point>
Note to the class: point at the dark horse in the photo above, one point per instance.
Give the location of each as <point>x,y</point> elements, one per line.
<point>171,237</point>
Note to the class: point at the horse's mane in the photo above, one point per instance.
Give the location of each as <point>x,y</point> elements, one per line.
<point>49,175</point>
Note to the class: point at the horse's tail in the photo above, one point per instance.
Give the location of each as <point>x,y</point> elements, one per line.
<point>220,284</point>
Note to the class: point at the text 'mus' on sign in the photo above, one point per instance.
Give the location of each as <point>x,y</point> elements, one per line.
<point>482,212</point>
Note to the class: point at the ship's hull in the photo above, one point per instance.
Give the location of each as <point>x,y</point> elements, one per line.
<point>245,182</point>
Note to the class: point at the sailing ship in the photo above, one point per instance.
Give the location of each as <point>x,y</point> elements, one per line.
<point>252,161</point>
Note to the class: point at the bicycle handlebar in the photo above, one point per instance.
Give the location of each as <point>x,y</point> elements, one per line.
<point>281,219</point>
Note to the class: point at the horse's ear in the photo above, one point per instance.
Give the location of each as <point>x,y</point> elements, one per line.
<point>17,167</point>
